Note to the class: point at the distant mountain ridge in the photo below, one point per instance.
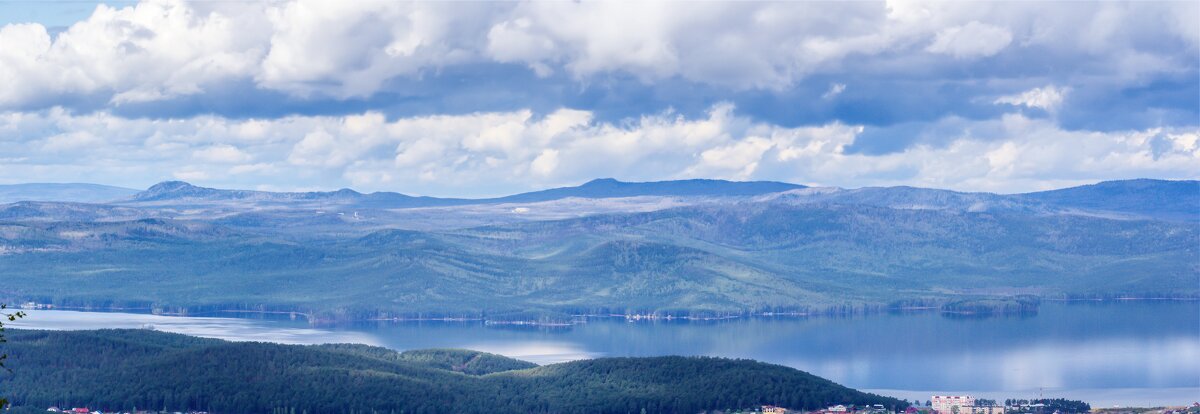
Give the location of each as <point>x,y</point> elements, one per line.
<point>168,190</point>
<point>346,209</point>
<point>1145,198</point>
<point>691,247</point>
<point>1177,200</point>
<point>66,192</point>
<point>611,188</point>
<point>910,198</point>
<point>599,188</point>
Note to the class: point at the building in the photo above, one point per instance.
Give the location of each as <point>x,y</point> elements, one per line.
<point>983,409</point>
<point>949,404</point>
<point>771,409</point>
<point>837,409</point>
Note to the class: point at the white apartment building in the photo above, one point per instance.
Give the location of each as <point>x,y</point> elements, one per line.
<point>944,404</point>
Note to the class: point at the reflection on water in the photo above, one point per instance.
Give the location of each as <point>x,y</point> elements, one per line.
<point>230,329</point>
<point>1125,353</point>
<point>538,352</point>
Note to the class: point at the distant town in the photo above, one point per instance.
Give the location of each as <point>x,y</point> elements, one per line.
<point>965,404</point>
<point>937,404</point>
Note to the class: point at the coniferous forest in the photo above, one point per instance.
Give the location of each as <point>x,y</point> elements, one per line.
<point>149,370</point>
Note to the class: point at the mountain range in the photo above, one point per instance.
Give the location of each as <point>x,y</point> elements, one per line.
<point>71,192</point>
<point>691,247</point>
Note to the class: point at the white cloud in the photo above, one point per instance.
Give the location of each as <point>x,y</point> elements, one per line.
<point>1186,142</point>
<point>834,90</point>
<point>1048,98</point>
<point>161,50</point>
<point>971,40</point>
<point>150,51</point>
<point>503,152</point>
<point>21,46</point>
<point>318,148</point>
<point>545,163</point>
<point>738,160</point>
<point>349,48</point>
<point>259,168</point>
<point>72,140</point>
<point>511,41</point>
<point>227,154</point>
<point>190,175</point>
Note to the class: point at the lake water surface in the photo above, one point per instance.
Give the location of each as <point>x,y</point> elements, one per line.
<point>1133,353</point>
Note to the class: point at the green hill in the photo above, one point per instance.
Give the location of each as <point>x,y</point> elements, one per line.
<point>127,369</point>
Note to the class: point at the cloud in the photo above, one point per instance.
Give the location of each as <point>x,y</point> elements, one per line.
<point>318,148</point>
<point>151,51</point>
<point>172,50</point>
<point>435,98</point>
<point>494,153</point>
<point>510,41</point>
<point>349,49</point>
<point>257,168</point>
<point>190,175</point>
<point>68,141</point>
<point>971,40</point>
<point>226,154</point>
<point>1048,98</point>
<point>834,90</point>
<point>545,163</point>
<point>738,160</point>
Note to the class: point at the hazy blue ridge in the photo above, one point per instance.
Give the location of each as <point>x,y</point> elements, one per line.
<point>600,188</point>
<point>66,192</point>
<point>1179,200</point>
<point>1163,199</point>
<point>182,191</point>
<point>610,188</point>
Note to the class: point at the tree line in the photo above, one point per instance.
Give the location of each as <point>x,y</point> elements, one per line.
<point>141,369</point>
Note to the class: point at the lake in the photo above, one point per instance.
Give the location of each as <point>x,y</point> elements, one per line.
<point>1129,353</point>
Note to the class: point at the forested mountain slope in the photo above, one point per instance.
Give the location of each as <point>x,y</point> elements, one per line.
<point>127,369</point>
<point>801,249</point>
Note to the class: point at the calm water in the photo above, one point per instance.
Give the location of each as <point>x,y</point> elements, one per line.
<point>1137,353</point>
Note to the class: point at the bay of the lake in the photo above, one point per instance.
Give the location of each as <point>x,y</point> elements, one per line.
<point>1137,353</point>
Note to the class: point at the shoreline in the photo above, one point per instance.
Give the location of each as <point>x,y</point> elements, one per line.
<point>1100,398</point>
<point>210,328</point>
<point>577,319</point>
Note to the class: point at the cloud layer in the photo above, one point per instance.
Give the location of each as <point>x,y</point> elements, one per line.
<point>497,153</point>
<point>439,98</point>
<point>159,50</point>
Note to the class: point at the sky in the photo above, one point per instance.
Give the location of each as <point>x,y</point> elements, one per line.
<point>483,99</point>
